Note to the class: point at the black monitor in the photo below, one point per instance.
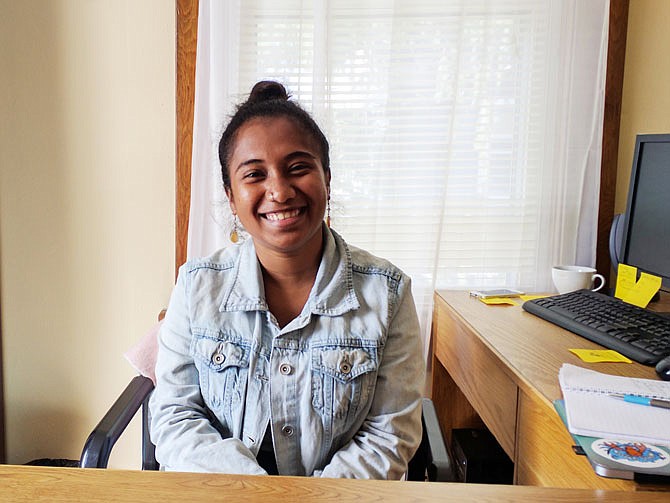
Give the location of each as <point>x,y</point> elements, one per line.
<point>645,241</point>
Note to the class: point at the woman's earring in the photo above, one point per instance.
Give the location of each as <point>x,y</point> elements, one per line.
<point>328,211</point>
<point>234,234</point>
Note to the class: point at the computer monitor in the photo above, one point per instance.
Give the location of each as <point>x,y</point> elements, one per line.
<point>645,241</point>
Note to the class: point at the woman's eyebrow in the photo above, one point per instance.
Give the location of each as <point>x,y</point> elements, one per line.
<point>247,163</point>
<point>299,153</point>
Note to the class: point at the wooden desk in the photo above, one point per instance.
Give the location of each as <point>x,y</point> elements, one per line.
<point>499,364</point>
<point>73,485</point>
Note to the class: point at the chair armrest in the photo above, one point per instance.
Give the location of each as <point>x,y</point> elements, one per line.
<point>440,467</point>
<point>100,442</point>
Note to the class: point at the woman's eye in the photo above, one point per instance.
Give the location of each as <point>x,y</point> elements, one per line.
<point>299,168</point>
<point>253,174</point>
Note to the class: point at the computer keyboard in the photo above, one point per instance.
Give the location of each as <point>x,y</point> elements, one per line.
<point>637,333</point>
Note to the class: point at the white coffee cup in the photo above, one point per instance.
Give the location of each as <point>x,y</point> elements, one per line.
<point>568,278</point>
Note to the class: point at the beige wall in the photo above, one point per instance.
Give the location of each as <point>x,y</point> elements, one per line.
<point>646,91</point>
<point>87,209</point>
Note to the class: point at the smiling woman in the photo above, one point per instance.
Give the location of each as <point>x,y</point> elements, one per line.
<point>292,353</point>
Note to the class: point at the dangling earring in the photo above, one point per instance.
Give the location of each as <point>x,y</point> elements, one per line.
<point>234,235</point>
<point>328,211</point>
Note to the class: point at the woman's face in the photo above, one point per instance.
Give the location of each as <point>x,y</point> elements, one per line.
<point>278,187</point>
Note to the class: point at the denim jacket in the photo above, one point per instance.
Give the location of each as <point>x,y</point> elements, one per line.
<point>340,385</point>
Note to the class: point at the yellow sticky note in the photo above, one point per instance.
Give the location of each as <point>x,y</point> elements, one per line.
<point>644,290</point>
<point>634,291</point>
<point>498,300</point>
<point>625,280</point>
<point>599,355</point>
<point>532,297</point>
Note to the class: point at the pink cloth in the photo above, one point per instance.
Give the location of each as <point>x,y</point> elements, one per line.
<point>142,356</point>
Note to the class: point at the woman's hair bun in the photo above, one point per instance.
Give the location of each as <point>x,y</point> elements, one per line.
<point>266,90</point>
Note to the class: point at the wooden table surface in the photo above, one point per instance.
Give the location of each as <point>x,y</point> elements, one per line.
<point>73,485</point>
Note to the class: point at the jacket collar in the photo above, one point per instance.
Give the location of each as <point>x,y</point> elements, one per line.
<point>332,294</point>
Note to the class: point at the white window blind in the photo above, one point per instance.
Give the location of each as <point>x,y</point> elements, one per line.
<point>462,132</point>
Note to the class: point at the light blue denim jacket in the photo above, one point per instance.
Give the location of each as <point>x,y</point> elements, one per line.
<point>340,384</point>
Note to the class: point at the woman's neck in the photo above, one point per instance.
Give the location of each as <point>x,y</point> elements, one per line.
<point>288,279</point>
<point>298,265</point>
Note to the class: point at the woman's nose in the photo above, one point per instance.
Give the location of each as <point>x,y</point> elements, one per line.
<point>279,189</point>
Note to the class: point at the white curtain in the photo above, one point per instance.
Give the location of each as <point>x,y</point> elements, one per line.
<point>465,134</point>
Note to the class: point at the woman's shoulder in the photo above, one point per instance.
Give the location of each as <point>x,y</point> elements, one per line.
<point>363,261</point>
<point>220,260</point>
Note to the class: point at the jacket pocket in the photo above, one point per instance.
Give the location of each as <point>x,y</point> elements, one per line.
<point>223,366</point>
<point>343,378</point>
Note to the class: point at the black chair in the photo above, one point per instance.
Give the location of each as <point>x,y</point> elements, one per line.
<point>431,461</point>
<point>100,442</point>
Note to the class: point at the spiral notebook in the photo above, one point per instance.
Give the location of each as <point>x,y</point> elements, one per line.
<point>591,411</point>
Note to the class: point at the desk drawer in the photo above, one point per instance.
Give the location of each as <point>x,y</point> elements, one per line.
<point>478,374</point>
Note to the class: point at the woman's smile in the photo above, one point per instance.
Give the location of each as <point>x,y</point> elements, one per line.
<point>278,216</point>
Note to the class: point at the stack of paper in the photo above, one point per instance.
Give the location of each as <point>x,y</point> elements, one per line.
<point>592,411</point>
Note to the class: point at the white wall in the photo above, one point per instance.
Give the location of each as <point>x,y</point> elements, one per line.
<point>87,209</point>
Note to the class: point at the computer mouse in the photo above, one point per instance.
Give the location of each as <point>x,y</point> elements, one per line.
<point>663,368</point>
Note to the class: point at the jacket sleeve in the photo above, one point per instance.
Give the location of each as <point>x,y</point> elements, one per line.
<point>185,438</point>
<point>391,431</point>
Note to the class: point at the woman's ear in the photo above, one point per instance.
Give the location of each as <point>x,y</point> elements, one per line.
<point>231,200</point>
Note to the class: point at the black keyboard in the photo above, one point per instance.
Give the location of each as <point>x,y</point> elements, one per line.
<point>637,333</point>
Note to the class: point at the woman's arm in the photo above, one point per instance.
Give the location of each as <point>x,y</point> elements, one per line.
<point>391,432</point>
<point>185,438</point>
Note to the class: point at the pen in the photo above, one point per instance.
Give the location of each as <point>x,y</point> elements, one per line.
<point>642,400</point>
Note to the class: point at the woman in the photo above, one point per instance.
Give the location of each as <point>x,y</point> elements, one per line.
<point>291,353</point>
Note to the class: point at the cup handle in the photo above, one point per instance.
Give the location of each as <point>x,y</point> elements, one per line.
<point>602,281</point>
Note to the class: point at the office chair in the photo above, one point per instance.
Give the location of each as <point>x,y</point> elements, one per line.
<point>431,461</point>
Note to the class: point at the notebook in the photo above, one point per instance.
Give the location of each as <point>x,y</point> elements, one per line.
<point>592,412</point>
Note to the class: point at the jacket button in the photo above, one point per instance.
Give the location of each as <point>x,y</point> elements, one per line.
<point>219,358</point>
<point>345,367</point>
<point>285,369</point>
<point>287,430</point>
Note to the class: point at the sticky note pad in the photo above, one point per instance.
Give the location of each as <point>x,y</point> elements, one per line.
<point>644,290</point>
<point>626,277</point>
<point>498,300</point>
<point>634,291</point>
<point>599,355</point>
<point>532,297</point>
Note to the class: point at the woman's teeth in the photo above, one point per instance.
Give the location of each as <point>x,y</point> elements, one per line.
<point>282,215</point>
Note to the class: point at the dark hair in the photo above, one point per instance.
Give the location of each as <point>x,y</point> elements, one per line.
<point>268,99</point>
